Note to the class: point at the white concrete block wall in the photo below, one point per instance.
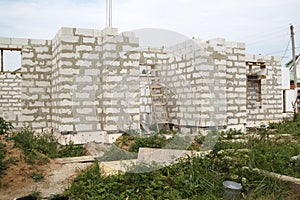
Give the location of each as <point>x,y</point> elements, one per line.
<point>120,96</point>
<point>89,80</point>
<point>236,85</point>
<point>36,84</point>
<point>10,97</point>
<point>270,108</point>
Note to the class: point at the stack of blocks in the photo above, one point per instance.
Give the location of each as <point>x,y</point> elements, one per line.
<point>91,81</point>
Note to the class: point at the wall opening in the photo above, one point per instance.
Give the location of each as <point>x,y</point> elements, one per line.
<point>255,72</point>
<point>10,60</point>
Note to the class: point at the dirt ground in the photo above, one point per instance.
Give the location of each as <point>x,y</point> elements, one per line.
<point>17,180</point>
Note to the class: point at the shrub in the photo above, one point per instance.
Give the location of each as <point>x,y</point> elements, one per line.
<point>155,141</point>
<point>3,165</point>
<point>4,126</point>
<point>36,145</point>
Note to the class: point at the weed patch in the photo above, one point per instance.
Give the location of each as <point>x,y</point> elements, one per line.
<point>39,147</point>
<point>5,126</point>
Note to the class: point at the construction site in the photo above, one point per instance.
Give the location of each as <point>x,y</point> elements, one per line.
<point>87,83</point>
<point>104,114</point>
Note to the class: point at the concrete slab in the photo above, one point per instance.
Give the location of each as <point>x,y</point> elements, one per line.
<point>115,167</point>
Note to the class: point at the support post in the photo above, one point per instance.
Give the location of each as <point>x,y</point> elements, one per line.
<point>294,58</point>
<point>2,61</point>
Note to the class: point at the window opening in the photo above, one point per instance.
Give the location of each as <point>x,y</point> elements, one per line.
<point>10,60</point>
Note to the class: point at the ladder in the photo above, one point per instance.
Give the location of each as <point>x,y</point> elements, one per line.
<point>158,99</point>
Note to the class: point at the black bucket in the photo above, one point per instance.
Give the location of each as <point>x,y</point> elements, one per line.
<point>60,198</point>
<point>30,197</point>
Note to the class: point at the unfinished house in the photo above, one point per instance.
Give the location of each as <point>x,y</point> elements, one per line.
<point>87,83</point>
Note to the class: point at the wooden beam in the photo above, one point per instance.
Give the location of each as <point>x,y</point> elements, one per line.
<point>11,49</point>
<point>256,63</point>
<point>81,159</point>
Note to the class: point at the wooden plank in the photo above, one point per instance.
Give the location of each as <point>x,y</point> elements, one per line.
<point>81,159</point>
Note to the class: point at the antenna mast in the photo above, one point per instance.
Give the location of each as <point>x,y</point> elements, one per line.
<point>109,13</point>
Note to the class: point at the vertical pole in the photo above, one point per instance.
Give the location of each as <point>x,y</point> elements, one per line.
<point>294,57</point>
<point>2,61</point>
<point>109,13</point>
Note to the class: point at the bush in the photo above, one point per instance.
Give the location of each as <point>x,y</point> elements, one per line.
<point>3,165</point>
<point>36,145</point>
<point>155,141</point>
<point>4,126</point>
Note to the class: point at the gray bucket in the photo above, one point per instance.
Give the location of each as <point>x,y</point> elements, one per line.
<point>231,190</point>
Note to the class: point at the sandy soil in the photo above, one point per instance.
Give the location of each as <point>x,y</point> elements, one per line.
<point>17,181</point>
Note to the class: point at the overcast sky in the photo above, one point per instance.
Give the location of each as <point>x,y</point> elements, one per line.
<point>262,24</point>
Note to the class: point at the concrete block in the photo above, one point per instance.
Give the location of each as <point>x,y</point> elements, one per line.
<point>84,63</point>
<point>112,110</point>
<point>66,31</point>
<point>239,51</point>
<point>70,39</point>
<point>42,83</point>
<point>42,49</point>
<point>36,90</point>
<point>42,69</point>
<point>69,71</point>
<point>84,111</point>
<point>84,32</point>
<point>4,40</point>
<point>82,95</point>
<point>232,70</point>
<point>84,48</point>
<point>67,47</point>
<point>127,48</point>
<point>231,57</point>
<point>4,45</point>
<point>109,47</point>
<point>97,33</point>
<point>92,56</point>
<point>92,72</point>
<point>217,41</point>
<point>27,62</point>
<point>38,42</point>
<point>65,64</point>
<point>26,118</point>
<point>65,127</point>
<point>19,41</point>
<point>110,31</point>
<point>70,55</point>
<point>89,40</point>
<point>114,78</point>
<point>241,45</point>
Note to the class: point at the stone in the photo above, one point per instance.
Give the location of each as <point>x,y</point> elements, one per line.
<point>94,149</point>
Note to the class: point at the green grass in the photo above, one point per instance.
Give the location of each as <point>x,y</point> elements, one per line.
<point>37,176</point>
<point>198,178</point>
<point>191,178</point>
<point>3,164</point>
<point>38,147</point>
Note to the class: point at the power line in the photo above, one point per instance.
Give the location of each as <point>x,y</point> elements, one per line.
<point>286,49</point>
<point>275,52</point>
